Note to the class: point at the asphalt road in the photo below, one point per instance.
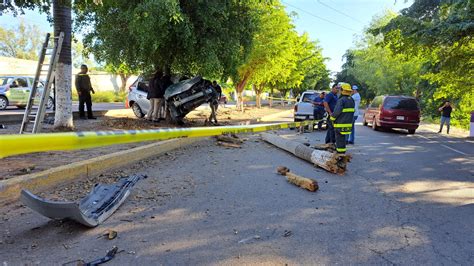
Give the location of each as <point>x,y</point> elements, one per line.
<point>406,199</point>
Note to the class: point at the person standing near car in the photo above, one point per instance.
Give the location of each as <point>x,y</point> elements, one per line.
<point>446,108</point>
<point>343,116</point>
<point>318,104</point>
<point>155,96</point>
<point>214,102</point>
<point>356,97</point>
<point>329,103</point>
<point>84,89</point>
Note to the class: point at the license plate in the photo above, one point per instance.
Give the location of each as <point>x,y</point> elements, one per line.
<point>399,117</point>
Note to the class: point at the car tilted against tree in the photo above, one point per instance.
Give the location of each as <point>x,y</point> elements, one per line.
<point>181,98</point>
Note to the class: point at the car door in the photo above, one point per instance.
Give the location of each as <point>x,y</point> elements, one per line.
<point>142,91</point>
<point>18,91</point>
<point>371,110</point>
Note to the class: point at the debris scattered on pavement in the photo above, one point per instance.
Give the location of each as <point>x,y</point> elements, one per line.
<point>111,234</point>
<point>109,256</point>
<point>332,162</point>
<point>246,240</point>
<point>92,210</point>
<point>303,182</point>
<point>287,233</point>
<point>229,138</point>
<point>228,145</point>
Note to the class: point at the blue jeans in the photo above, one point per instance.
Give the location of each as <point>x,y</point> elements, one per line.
<point>351,137</point>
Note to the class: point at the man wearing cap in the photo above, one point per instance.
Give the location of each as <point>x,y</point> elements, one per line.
<point>343,116</point>
<point>329,103</point>
<point>356,97</point>
<point>84,89</point>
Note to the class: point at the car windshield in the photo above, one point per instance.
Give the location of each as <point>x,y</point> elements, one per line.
<point>5,80</point>
<point>309,97</point>
<point>401,103</point>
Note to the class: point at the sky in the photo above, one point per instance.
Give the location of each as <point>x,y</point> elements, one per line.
<point>334,23</point>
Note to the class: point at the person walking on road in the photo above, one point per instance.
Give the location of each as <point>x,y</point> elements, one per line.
<point>155,96</point>
<point>343,116</point>
<point>84,89</point>
<point>329,104</point>
<point>356,97</point>
<point>446,108</point>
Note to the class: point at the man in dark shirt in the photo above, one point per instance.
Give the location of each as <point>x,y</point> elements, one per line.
<point>319,106</point>
<point>446,108</point>
<point>84,89</point>
<point>329,103</point>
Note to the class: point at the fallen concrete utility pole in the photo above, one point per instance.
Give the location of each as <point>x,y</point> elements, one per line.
<point>332,162</point>
<point>303,182</point>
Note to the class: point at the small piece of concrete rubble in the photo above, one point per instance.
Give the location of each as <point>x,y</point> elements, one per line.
<point>303,182</point>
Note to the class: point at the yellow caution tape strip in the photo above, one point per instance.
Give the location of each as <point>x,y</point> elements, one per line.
<point>22,144</point>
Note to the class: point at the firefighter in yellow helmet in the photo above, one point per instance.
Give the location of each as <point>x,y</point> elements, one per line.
<point>343,115</point>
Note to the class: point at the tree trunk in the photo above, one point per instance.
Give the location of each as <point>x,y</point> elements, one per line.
<point>271,97</point>
<point>62,23</point>
<point>123,78</point>
<point>258,94</point>
<point>239,89</point>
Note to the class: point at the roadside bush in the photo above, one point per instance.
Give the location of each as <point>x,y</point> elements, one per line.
<point>103,97</point>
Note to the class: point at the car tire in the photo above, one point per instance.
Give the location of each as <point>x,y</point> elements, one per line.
<point>3,102</point>
<point>364,122</point>
<point>50,103</point>
<point>374,125</point>
<point>137,110</point>
<point>411,131</point>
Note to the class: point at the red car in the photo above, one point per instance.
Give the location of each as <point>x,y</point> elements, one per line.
<point>393,112</point>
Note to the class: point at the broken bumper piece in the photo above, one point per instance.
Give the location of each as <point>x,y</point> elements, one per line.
<point>92,210</point>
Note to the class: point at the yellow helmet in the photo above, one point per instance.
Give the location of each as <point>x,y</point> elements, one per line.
<point>344,86</point>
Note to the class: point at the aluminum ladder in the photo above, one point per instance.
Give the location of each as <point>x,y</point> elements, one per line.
<point>34,114</point>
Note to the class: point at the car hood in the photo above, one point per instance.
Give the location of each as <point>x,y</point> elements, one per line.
<point>181,86</point>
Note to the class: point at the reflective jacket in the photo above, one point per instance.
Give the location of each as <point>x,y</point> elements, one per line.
<point>343,114</point>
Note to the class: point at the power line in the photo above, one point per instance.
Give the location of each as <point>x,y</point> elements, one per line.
<point>318,17</point>
<point>338,11</point>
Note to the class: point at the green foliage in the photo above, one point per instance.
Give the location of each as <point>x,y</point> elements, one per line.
<point>23,42</point>
<point>209,38</point>
<point>103,97</point>
<point>426,52</point>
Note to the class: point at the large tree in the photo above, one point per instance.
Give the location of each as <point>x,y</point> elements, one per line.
<point>209,38</point>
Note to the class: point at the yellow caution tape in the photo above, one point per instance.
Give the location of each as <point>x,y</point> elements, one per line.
<point>22,144</point>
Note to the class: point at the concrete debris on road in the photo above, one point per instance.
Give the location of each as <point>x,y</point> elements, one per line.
<point>325,147</point>
<point>332,162</point>
<point>229,141</point>
<point>303,182</point>
<point>249,239</point>
<point>92,210</point>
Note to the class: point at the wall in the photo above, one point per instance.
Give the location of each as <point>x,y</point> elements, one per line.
<point>101,81</point>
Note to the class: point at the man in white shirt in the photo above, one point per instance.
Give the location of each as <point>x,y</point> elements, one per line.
<point>356,97</point>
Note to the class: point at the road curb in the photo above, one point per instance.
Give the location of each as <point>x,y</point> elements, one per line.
<point>10,189</point>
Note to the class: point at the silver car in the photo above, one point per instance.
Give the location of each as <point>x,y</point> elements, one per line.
<point>180,98</point>
<point>15,91</point>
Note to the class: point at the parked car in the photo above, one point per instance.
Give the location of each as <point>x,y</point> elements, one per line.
<point>304,108</point>
<point>181,98</point>
<point>393,112</point>
<point>15,91</point>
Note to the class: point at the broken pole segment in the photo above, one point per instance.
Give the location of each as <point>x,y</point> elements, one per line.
<point>302,182</point>
<point>332,162</point>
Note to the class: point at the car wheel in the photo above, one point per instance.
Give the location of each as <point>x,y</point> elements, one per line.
<point>50,103</point>
<point>3,102</point>
<point>137,110</point>
<point>364,122</point>
<point>411,131</point>
<point>374,125</point>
